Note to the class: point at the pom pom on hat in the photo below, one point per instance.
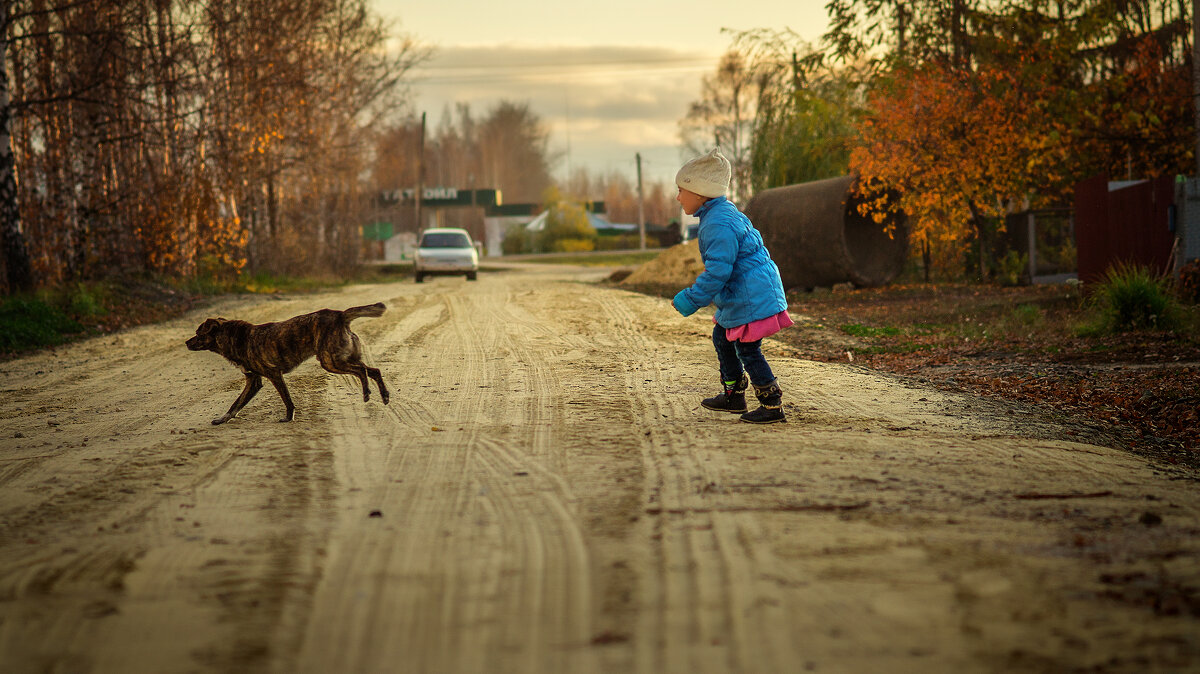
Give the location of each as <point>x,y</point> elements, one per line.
<point>707,176</point>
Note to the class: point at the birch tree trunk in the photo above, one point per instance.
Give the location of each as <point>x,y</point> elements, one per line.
<point>18,274</point>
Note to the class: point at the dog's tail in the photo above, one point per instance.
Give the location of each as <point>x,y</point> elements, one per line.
<point>370,310</point>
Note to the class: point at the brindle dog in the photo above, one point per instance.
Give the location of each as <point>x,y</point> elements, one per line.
<point>273,349</point>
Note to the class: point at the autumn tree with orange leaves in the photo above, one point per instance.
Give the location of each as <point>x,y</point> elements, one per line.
<point>183,138</point>
<point>982,108</point>
<point>1141,123</point>
<point>960,147</point>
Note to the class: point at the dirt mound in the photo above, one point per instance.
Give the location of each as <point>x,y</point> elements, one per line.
<point>677,266</point>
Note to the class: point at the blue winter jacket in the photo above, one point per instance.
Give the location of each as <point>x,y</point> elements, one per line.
<point>739,275</point>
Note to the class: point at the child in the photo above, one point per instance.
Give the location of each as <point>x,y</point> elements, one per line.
<point>742,280</point>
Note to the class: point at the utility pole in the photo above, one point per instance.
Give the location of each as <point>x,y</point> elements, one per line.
<point>420,175</point>
<point>642,202</point>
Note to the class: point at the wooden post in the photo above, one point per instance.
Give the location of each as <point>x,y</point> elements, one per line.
<point>420,176</point>
<point>641,206</point>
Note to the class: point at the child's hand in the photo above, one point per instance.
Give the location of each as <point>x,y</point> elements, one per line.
<point>683,305</point>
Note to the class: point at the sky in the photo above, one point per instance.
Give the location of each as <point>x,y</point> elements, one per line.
<point>609,79</point>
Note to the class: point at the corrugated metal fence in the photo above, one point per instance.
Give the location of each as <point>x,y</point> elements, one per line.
<point>1187,197</point>
<point>1128,222</point>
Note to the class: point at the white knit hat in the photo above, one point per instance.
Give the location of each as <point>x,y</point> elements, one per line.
<point>707,176</point>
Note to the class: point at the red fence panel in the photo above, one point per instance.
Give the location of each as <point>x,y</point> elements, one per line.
<point>1122,223</point>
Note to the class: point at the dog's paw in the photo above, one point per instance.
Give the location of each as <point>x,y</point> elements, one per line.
<point>219,420</point>
<point>385,398</point>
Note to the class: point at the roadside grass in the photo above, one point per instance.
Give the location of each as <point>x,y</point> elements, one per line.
<point>1038,320</point>
<point>267,284</point>
<point>53,317</point>
<point>30,322</point>
<point>1046,345</point>
<point>1046,319</point>
<point>599,259</point>
<point>860,330</point>
<point>49,318</point>
<point>905,319</point>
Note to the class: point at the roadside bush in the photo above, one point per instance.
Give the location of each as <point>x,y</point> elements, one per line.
<point>1068,255</point>
<point>27,323</point>
<point>1027,315</point>
<point>1131,297</point>
<point>1011,269</point>
<point>572,246</point>
<point>1188,288</point>
<point>84,300</point>
<point>565,220</point>
<point>626,242</point>
<point>516,241</point>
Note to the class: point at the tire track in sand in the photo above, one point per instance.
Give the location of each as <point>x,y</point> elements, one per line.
<point>476,562</point>
<point>701,571</point>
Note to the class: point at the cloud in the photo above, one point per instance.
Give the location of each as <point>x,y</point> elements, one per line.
<point>507,58</point>
<point>611,82</point>
<point>603,104</point>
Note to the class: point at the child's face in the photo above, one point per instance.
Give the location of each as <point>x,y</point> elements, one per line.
<point>690,201</point>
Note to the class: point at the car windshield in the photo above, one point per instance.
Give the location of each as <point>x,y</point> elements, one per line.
<point>445,240</point>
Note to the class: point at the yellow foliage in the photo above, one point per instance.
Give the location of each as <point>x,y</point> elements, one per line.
<point>573,246</point>
<point>956,145</point>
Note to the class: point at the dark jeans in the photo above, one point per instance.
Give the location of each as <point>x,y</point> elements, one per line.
<point>734,356</point>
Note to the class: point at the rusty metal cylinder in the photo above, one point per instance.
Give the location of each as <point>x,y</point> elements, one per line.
<point>818,238</point>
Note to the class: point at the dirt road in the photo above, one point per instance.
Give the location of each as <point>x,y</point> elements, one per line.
<point>544,494</point>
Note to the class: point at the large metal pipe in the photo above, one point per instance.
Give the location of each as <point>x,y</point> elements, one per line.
<point>818,238</point>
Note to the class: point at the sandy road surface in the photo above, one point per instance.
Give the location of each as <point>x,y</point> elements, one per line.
<point>549,497</point>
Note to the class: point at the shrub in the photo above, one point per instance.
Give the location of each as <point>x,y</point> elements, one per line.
<point>84,300</point>
<point>1068,255</point>
<point>1188,288</point>
<point>573,246</point>
<point>1131,297</point>
<point>626,242</point>
<point>564,220</point>
<point>27,323</point>
<point>1012,268</point>
<point>516,240</point>
<point>1027,315</point>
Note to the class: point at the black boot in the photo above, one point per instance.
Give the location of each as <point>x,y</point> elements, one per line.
<point>770,399</point>
<point>732,400</point>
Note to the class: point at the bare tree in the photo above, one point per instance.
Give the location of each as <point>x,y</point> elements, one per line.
<point>619,194</point>
<point>514,152</point>
<point>195,136</point>
<point>724,115</point>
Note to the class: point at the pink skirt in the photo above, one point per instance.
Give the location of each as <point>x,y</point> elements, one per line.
<point>763,327</point>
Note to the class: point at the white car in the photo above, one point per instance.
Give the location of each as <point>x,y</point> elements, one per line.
<point>445,251</point>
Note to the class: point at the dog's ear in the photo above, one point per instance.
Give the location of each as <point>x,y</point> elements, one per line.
<point>209,325</point>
